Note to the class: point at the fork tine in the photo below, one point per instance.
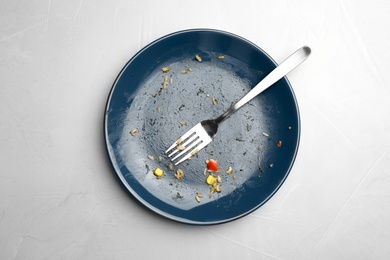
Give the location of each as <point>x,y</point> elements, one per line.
<point>184,144</point>
<point>198,148</point>
<point>183,137</point>
<point>186,150</point>
<point>190,140</point>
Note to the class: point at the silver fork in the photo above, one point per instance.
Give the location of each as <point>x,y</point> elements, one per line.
<point>203,133</point>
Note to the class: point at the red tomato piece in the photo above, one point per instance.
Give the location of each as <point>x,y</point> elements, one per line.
<point>212,165</point>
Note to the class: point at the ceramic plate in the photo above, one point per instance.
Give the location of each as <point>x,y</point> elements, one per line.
<point>162,106</point>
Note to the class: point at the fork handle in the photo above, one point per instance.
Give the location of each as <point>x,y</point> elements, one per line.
<point>279,72</point>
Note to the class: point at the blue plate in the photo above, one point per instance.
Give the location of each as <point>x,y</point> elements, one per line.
<point>259,142</point>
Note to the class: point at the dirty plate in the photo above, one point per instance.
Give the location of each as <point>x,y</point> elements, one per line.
<point>148,109</point>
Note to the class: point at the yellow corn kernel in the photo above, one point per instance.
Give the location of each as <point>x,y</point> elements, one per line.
<point>210,179</point>
<point>158,172</point>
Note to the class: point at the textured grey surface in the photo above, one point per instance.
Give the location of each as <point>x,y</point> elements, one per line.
<point>59,197</point>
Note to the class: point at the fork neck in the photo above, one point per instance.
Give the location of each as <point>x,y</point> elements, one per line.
<point>225,115</point>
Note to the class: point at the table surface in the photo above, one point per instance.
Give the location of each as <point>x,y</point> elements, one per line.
<point>59,196</point>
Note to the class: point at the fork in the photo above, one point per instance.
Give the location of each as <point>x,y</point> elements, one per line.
<point>203,133</point>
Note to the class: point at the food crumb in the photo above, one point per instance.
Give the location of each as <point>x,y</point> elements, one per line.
<point>220,57</point>
<point>134,132</point>
<point>180,148</point>
<point>186,71</point>
<point>178,196</point>
<point>179,174</point>
<point>194,152</point>
<point>271,165</point>
<point>170,166</point>
<point>164,84</point>
<point>265,134</point>
<point>279,143</point>
<point>215,102</point>
<point>165,69</point>
<point>229,170</point>
<point>151,157</point>
<point>213,189</point>
<point>198,58</point>
<point>198,196</point>
<point>179,141</point>
<point>160,158</point>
